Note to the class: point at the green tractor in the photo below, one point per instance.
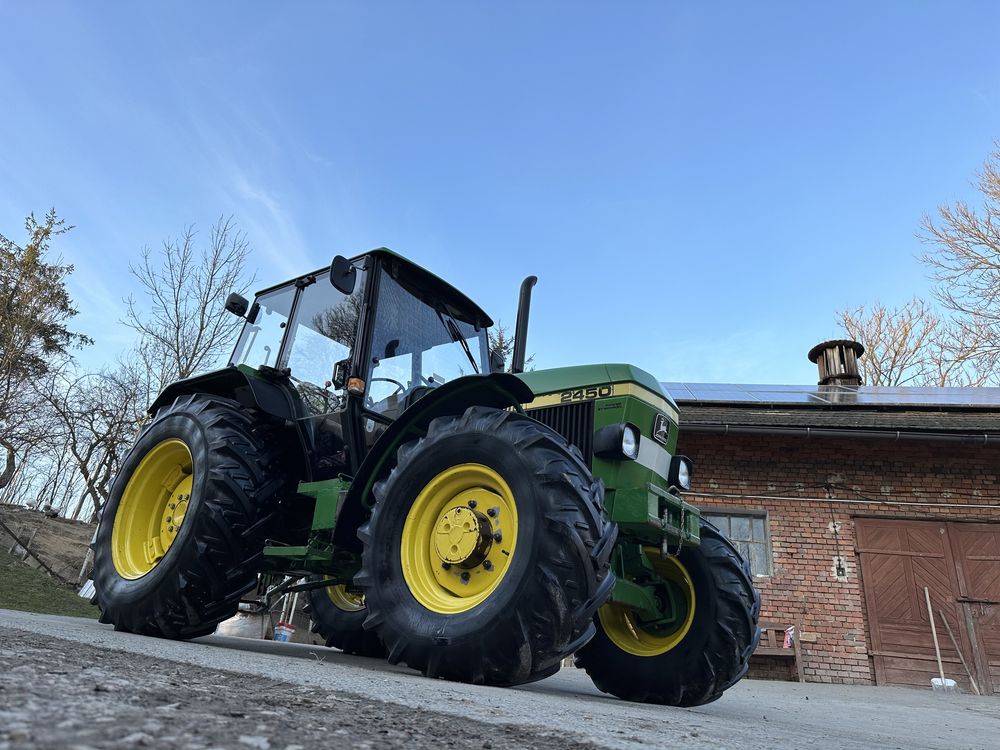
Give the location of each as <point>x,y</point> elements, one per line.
<point>475,524</point>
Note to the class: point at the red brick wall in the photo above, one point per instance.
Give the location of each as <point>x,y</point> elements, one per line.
<point>868,475</point>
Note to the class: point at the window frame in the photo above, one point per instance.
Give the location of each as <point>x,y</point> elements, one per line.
<point>751,513</point>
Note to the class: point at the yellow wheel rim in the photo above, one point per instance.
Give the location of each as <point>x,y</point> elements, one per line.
<point>345,600</point>
<point>459,538</point>
<point>152,508</point>
<point>622,627</point>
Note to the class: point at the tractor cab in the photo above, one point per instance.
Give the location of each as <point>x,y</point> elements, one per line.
<point>360,342</point>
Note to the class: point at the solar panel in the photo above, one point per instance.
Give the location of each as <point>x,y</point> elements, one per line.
<point>832,395</point>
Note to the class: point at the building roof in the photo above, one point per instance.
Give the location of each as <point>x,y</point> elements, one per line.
<point>968,413</point>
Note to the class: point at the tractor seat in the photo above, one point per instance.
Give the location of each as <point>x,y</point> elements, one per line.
<point>415,394</point>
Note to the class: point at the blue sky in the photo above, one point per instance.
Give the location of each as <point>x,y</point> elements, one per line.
<point>699,187</point>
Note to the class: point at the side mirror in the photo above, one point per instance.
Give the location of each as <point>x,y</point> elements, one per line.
<point>497,362</point>
<point>340,369</point>
<point>237,304</point>
<point>343,274</point>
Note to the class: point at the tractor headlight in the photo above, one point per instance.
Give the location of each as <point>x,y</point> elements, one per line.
<point>617,441</point>
<point>630,441</point>
<point>680,472</point>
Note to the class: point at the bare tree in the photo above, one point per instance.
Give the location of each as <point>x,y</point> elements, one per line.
<point>340,323</point>
<point>957,343</point>
<point>35,309</point>
<point>910,345</point>
<point>100,415</point>
<point>964,258</point>
<point>184,329</point>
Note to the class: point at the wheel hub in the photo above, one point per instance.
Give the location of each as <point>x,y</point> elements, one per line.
<point>462,537</point>
<point>458,538</point>
<point>629,633</point>
<point>348,601</point>
<point>173,514</point>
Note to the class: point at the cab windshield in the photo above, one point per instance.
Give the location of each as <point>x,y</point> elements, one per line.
<point>417,345</point>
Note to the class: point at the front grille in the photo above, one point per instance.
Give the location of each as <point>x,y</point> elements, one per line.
<point>575,422</point>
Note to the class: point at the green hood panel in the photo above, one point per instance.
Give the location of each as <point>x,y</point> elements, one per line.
<point>566,378</point>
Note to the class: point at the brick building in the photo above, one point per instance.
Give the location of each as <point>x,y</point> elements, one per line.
<point>849,500</point>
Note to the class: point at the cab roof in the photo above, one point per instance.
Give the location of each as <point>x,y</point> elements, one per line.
<point>431,286</point>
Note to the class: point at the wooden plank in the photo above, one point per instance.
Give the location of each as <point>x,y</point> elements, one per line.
<point>867,590</point>
<point>979,579</point>
<point>898,553</point>
<point>799,665</point>
<point>961,656</point>
<point>900,672</point>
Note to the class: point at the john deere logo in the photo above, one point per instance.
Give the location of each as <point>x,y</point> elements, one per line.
<point>661,428</point>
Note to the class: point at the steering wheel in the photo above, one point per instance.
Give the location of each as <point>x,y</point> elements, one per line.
<point>399,386</point>
<point>399,389</point>
<point>321,400</point>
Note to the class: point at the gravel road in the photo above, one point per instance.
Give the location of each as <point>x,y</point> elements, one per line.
<point>67,682</point>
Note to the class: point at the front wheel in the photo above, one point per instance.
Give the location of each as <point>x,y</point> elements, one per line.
<point>704,654</point>
<point>487,551</point>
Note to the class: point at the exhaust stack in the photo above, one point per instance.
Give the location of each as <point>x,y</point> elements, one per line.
<point>521,327</point>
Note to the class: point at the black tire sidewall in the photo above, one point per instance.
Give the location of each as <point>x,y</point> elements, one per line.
<point>180,424</point>
<point>494,453</point>
<point>712,655</point>
<point>343,629</point>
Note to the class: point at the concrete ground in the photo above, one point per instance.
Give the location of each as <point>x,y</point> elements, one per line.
<point>229,692</point>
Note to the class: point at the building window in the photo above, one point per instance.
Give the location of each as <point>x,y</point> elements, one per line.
<point>748,531</point>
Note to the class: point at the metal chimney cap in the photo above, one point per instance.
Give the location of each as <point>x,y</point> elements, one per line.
<point>819,348</point>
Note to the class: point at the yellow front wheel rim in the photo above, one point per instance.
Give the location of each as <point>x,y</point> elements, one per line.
<point>622,627</point>
<point>459,538</point>
<point>345,600</point>
<point>152,508</point>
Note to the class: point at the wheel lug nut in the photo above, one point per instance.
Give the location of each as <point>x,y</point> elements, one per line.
<point>473,503</point>
<point>487,565</point>
<point>492,512</point>
<point>497,537</point>
<point>465,577</point>
<point>446,566</point>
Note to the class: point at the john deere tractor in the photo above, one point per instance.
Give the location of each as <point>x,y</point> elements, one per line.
<point>475,524</point>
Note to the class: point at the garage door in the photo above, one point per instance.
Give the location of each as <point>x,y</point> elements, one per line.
<point>960,565</point>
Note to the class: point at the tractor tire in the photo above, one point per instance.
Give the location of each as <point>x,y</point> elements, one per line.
<point>338,618</point>
<point>487,552</point>
<point>705,657</point>
<point>182,532</point>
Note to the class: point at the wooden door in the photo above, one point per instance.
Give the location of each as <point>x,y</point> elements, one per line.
<point>976,548</point>
<point>960,564</point>
<point>898,559</point>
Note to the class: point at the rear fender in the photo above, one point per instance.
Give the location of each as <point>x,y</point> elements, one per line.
<point>498,390</point>
<point>253,391</point>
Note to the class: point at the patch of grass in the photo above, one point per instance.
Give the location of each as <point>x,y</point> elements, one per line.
<point>30,590</point>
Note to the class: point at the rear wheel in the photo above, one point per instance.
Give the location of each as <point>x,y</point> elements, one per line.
<point>704,653</point>
<point>487,551</point>
<point>181,532</point>
<point>338,616</point>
